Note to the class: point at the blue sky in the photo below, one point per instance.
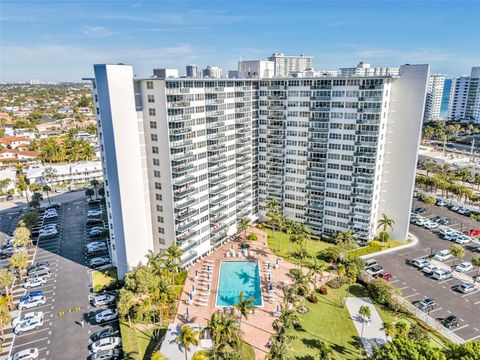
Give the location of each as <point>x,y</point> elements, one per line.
<point>60,40</point>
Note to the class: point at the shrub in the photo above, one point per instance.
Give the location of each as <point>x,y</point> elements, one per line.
<point>381,291</point>
<point>329,254</point>
<point>323,290</point>
<point>180,277</point>
<point>383,236</point>
<point>336,283</point>
<point>252,237</point>
<point>260,226</point>
<point>295,273</point>
<point>302,291</point>
<point>312,298</point>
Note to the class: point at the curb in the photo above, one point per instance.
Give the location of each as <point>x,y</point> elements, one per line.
<point>398,248</point>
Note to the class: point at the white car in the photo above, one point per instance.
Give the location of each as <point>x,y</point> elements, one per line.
<point>466,288</point>
<point>452,236</point>
<point>93,247</point>
<point>455,208</point>
<point>35,282</point>
<point>94,213</point>
<point>429,269</point>
<point>27,354</point>
<point>421,221</point>
<point>447,231</point>
<point>99,261</point>
<point>464,267</point>
<point>463,239</point>
<point>30,315</point>
<point>106,344</point>
<point>28,324</point>
<point>106,315</point>
<point>442,255</point>
<point>31,302</point>
<point>420,263</point>
<point>430,225</point>
<point>102,299</point>
<point>442,274</point>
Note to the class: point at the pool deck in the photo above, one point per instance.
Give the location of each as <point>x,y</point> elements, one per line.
<point>257,329</point>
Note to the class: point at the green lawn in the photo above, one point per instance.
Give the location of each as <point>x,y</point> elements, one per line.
<point>136,343</point>
<point>281,242</point>
<point>327,321</point>
<point>104,278</point>
<point>245,352</point>
<point>374,246</point>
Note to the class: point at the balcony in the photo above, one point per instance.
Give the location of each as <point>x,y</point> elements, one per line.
<point>181,239</point>
<point>218,169</point>
<point>185,214</point>
<point>320,87</point>
<point>183,191</point>
<point>244,186</point>
<point>370,98</point>
<point>181,143</point>
<point>369,110</point>
<point>317,129</point>
<point>180,131</point>
<point>186,225</point>
<point>218,199</point>
<point>184,180</point>
<point>181,156</point>
<point>320,98</point>
<point>216,209</point>
<point>178,104</point>
<point>276,107</point>
<point>323,109</point>
<point>370,87</point>
<point>276,97</point>
<point>215,190</point>
<point>184,203</point>
<point>217,179</point>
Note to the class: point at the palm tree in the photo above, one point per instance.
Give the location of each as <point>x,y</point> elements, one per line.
<point>6,280</point>
<point>389,329</point>
<point>244,306</point>
<point>324,351</point>
<point>215,325</point>
<point>47,188</point>
<point>457,252</point>
<point>5,316</point>
<point>21,236</point>
<point>19,261</point>
<point>476,262</point>
<point>35,201</point>
<point>173,255</point>
<point>90,193</point>
<point>302,254</point>
<point>384,223</point>
<point>276,220</point>
<point>5,183</point>
<point>317,267</point>
<point>243,226</point>
<point>188,336</point>
<point>365,313</point>
<point>95,184</point>
<point>273,206</point>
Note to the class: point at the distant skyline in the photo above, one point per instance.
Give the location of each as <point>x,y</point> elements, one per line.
<point>60,40</point>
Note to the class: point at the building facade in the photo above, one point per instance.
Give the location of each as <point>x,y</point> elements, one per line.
<point>255,69</point>
<point>186,159</point>
<point>433,102</point>
<point>192,71</point>
<point>212,72</point>
<point>287,64</point>
<point>464,104</point>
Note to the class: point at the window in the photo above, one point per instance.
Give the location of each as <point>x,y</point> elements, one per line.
<point>151,112</point>
<point>160,219</point>
<point>151,98</point>
<point>154,137</point>
<point>155,149</point>
<point>159,208</point>
<point>161,241</point>
<point>156,173</point>
<point>161,230</point>
<point>149,85</point>
<point>156,162</point>
<point>158,197</point>
<point>158,186</point>
<point>153,125</point>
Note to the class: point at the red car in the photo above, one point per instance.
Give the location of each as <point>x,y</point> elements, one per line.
<point>385,276</point>
<point>473,232</point>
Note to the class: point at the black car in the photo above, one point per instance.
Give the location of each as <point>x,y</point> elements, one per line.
<point>94,221</point>
<point>420,210</point>
<point>93,202</point>
<point>102,334</point>
<point>451,321</point>
<point>114,354</point>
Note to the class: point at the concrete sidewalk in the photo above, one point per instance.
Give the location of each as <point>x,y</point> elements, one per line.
<point>373,335</point>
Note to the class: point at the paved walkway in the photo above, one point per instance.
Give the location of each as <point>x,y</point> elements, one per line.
<point>372,330</point>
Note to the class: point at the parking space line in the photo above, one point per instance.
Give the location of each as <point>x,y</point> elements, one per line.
<point>408,296</point>
<point>473,338</point>
<point>403,287</point>
<point>30,333</point>
<point>461,327</point>
<point>31,342</point>
<point>431,311</point>
<point>465,295</point>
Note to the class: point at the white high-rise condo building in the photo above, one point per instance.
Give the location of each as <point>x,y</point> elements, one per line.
<point>186,159</point>
<point>255,69</point>
<point>364,69</point>
<point>287,64</point>
<point>433,102</point>
<point>192,71</point>
<point>464,103</point>
<point>212,72</point>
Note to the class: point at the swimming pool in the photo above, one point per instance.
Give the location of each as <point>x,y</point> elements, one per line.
<point>238,276</point>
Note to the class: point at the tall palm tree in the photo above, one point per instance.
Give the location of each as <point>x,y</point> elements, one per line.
<point>324,351</point>
<point>389,329</point>
<point>244,306</point>
<point>188,336</point>
<point>19,261</point>
<point>365,313</point>
<point>317,267</point>
<point>90,193</point>
<point>243,226</point>
<point>5,316</point>
<point>173,254</point>
<point>384,223</point>
<point>476,262</point>
<point>273,205</point>
<point>5,183</point>
<point>47,188</point>
<point>6,280</point>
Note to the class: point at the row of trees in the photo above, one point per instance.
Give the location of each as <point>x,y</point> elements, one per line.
<point>63,149</point>
<point>447,187</point>
<point>440,130</point>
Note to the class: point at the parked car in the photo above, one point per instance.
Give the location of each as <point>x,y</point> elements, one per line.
<point>443,255</point>
<point>96,232</point>
<point>27,354</point>
<point>429,269</point>
<point>30,315</point>
<point>106,344</point>
<point>427,304</point>
<point>441,202</point>
<point>421,221</point>
<point>102,334</point>
<point>28,324</point>
<point>39,272</point>
<point>94,221</point>
<point>442,274</point>
<point>94,213</point>
<point>464,211</point>
<point>99,261</point>
<point>444,221</point>
<point>112,354</point>
<point>102,299</point>
<point>473,232</point>
<point>454,208</point>
<point>430,225</point>
<point>32,299</point>
<point>420,210</point>
<point>464,267</point>
<point>463,239</point>
<point>385,276</point>
<point>450,321</point>
<point>35,282</point>
<point>369,263</point>
<point>420,263</point>
<point>375,270</point>
<point>106,315</point>
<point>466,288</point>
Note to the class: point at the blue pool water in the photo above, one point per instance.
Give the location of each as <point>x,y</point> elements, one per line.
<point>238,276</point>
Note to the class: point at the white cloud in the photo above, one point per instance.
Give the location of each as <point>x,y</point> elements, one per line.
<point>97,31</point>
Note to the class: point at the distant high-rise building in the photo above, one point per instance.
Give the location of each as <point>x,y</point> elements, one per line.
<point>212,72</point>
<point>186,159</point>
<point>193,71</point>
<point>433,101</point>
<point>34,82</point>
<point>464,104</point>
<point>256,69</point>
<point>363,69</point>
<point>233,74</point>
<point>286,64</point>
<point>165,73</point>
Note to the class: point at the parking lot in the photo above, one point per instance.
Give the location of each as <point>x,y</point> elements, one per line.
<point>416,285</point>
<point>67,291</point>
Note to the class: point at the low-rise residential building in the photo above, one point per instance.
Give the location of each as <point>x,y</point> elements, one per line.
<point>80,172</point>
<point>7,155</point>
<point>15,142</point>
